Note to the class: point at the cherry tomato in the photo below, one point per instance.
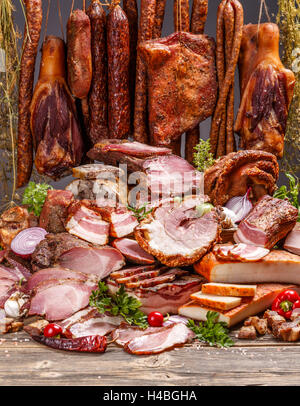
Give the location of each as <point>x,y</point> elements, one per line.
<point>155,319</point>
<point>52,330</point>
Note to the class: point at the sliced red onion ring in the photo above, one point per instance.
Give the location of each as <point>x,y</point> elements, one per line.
<point>25,242</point>
<point>240,205</point>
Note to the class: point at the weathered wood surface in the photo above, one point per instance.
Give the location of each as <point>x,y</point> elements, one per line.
<point>264,361</point>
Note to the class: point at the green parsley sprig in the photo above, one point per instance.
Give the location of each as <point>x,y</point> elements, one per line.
<point>292,194</point>
<point>203,158</point>
<point>119,303</point>
<point>211,331</point>
<point>35,195</point>
<point>141,212</point>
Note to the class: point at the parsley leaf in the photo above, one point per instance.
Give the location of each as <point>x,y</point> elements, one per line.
<point>291,194</point>
<point>141,212</point>
<point>211,331</point>
<point>203,158</point>
<point>35,195</point>
<point>119,303</point>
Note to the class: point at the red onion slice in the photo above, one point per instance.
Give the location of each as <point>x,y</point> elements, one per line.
<point>240,205</point>
<point>25,242</point>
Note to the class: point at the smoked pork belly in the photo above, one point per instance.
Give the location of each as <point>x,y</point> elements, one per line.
<point>166,297</point>
<point>264,296</point>
<point>132,251</point>
<point>268,222</point>
<point>122,222</point>
<point>97,261</point>
<point>240,252</point>
<point>277,266</point>
<point>87,224</point>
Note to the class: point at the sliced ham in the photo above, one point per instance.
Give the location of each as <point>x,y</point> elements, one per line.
<point>292,241</point>
<point>169,337</point>
<point>88,225</point>
<point>59,299</point>
<point>141,276</point>
<point>97,261</point>
<point>8,273</point>
<point>277,266</point>
<point>132,251</point>
<point>19,269</point>
<point>268,222</point>
<point>240,252</point>
<point>169,276</point>
<point>53,273</point>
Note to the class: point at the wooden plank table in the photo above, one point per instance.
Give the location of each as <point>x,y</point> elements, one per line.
<point>265,361</point>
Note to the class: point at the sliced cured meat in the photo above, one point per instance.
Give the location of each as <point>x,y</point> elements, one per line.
<point>7,273</point>
<point>168,175</point>
<point>166,297</point>
<point>240,252</point>
<point>141,276</point>
<point>97,261</point>
<point>277,266</point>
<point>57,300</point>
<point>88,225</point>
<point>292,241</point>
<point>50,249</point>
<point>90,322</point>
<point>53,273</point>
<point>268,222</point>
<point>134,148</point>
<point>97,171</point>
<point>174,335</point>
<point>122,222</point>
<point>135,270</point>
<point>20,270</point>
<point>55,210</point>
<point>179,235</point>
<point>168,276</point>
<point>132,251</point>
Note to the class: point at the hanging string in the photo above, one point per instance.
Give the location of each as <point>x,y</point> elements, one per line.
<point>263,5</point>
<point>60,19</point>
<point>72,6</point>
<point>83,5</point>
<point>47,16</point>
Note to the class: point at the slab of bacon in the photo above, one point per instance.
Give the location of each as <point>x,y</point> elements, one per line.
<point>86,222</point>
<point>122,222</point>
<point>240,252</point>
<point>178,234</point>
<point>268,222</point>
<point>97,261</point>
<point>156,288</point>
<point>132,251</point>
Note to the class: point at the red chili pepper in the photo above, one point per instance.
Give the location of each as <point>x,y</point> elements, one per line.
<point>52,330</point>
<point>155,319</point>
<point>93,343</point>
<point>286,302</point>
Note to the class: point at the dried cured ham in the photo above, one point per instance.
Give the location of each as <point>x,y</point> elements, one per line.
<point>178,235</point>
<point>181,82</point>
<point>96,261</point>
<point>54,123</point>
<point>266,90</point>
<point>132,251</point>
<point>267,223</point>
